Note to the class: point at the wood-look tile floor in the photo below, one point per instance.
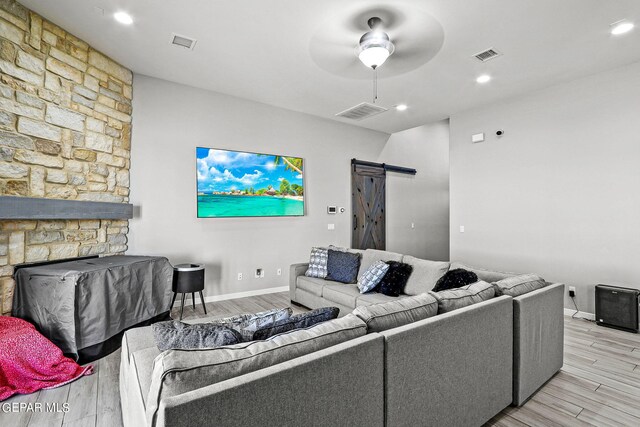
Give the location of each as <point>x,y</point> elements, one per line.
<point>598,385</point>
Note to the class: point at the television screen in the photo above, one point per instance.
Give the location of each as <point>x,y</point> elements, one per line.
<point>239,184</point>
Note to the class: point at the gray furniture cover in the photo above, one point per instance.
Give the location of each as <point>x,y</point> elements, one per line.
<point>82,303</point>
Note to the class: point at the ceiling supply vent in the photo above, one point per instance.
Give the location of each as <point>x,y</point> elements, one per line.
<point>361,111</point>
<point>183,41</point>
<point>486,55</point>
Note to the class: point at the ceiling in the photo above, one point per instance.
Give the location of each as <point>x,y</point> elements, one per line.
<point>299,54</point>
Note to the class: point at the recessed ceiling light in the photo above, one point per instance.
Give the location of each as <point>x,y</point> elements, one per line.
<point>621,27</point>
<point>123,18</point>
<point>485,78</point>
<point>401,107</point>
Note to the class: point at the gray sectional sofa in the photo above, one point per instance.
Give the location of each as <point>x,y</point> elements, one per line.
<point>538,325</point>
<point>394,364</point>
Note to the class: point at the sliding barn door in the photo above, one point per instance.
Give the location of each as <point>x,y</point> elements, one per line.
<point>368,207</point>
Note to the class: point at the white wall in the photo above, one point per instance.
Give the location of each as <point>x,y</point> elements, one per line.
<point>559,193</point>
<point>422,199</point>
<point>171,120</point>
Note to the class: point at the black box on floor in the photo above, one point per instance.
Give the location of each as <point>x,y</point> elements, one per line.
<point>617,307</point>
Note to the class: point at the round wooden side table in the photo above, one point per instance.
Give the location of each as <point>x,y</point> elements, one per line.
<point>188,278</point>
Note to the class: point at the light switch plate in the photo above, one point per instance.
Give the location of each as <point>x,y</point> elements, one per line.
<point>478,137</point>
<point>331,226</point>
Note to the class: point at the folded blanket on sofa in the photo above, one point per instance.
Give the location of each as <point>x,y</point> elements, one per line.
<point>29,362</point>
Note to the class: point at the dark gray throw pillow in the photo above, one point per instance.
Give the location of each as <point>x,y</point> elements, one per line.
<point>298,321</point>
<point>182,336</point>
<point>342,266</point>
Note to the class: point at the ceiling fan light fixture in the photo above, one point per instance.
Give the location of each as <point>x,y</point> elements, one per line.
<point>374,47</point>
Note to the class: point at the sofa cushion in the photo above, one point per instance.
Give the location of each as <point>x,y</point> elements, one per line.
<point>388,315</point>
<point>425,274</point>
<point>142,364</point>
<point>454,299</point>
<point>486,275</point>
<point>372,255</point>
<point>345,294</point>
<point>298,321</point>
<point>179,371</point>
<point>317,263</point>
<point>456,278</point>
<point>376,298</point>
<point>179,335</point>
<point>519,285</point>
<point>343,266</point>
<point>312,285</point>
<point>372,277</point>
<point>394,282</point>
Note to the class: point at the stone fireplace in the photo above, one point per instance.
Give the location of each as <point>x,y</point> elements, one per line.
<point>65,133</point>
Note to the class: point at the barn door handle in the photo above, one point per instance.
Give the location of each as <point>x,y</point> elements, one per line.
<point>355,222</point>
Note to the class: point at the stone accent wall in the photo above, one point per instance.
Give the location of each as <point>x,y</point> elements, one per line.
<point>65,133</point>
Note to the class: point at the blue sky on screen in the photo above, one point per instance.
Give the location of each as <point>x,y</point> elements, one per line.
<point>222,170</point>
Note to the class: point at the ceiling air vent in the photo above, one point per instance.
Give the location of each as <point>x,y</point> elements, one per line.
<point>486,55</point>
<point>361,111</point>
<point>183,41</point>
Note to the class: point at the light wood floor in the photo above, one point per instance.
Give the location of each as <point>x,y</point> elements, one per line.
<point>598,385</point>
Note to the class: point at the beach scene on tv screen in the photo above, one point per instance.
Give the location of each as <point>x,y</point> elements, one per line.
<point>236,184</point>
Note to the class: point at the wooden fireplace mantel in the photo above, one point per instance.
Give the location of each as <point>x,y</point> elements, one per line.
<point>38,208</point>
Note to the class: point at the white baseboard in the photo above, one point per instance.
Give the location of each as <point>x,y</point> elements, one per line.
<point>579,314</point>
<point>224,297</point>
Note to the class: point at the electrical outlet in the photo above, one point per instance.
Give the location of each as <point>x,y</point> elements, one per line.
<point>413,225</point>
<point>239,276</point>
<point>259,273</point>
<point>279,272</point>
<point>462,228</point>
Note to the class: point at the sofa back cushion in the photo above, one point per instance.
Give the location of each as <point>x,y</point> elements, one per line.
<point>425,274</point>
<point>519,285</point>
<point>454,299</point>
<point>486,275</point>
<point>392,314</point>
<point>179,371</point>
<point>372,255</point>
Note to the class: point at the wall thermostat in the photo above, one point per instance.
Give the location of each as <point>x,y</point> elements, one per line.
<point>331,209</point>
<point>342,210</point>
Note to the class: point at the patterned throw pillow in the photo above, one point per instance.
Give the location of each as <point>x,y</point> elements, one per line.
<point>342,266</point>
<point>394,282</point>
<point>299,321</point>
<point>372,277</point>
<point>248,327</point>
<point>318,263</point>
<point>182,336</point>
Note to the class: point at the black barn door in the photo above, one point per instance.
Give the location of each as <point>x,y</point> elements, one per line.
<point>368,207</point>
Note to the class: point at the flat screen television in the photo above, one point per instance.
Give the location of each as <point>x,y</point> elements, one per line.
<point>241,184</point>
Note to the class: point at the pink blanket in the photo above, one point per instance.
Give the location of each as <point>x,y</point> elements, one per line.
<point>30,362</point>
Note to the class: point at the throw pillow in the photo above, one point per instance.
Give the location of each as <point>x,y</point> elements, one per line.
<point>234,321</point>
<point>182,336</point>
<point>248,327</point>
<point>394,281</point>
<point>372,277</point>
<point>317,263</point>
<point>455,278</point>
<point>519,285</point>
<point>298,321</point>
<point>342,266</point>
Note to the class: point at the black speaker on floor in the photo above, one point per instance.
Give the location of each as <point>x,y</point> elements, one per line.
<point>617,307</point>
